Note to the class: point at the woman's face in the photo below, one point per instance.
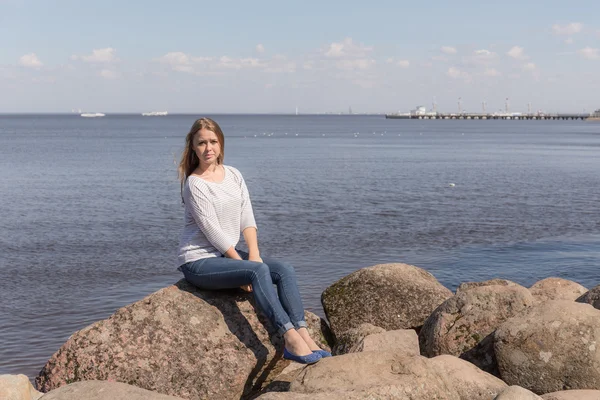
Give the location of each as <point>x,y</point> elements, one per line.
<point>207,147</point>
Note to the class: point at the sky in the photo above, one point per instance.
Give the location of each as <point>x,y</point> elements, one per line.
<point>319,56</point>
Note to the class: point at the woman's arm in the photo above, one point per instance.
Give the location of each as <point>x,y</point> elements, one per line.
<point>252,242</point>
<point>232,253</point>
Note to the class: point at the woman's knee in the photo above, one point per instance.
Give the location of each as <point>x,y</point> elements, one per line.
<point>260,271</point>
<point>283,268</point>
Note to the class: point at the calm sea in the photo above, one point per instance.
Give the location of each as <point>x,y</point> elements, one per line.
<point>90,211</point>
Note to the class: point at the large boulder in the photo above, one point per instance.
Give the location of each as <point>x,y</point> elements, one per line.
<point>592,297</point>
<point>573,395</point>
<point>391,375</point>
<point>391,296</point>
<point>17,387</point>
<point>179,341</point>
<point>103,390</point>
<point>348,340</point>
<point>517,393</point>
<point>556,289</point>
<point>551,347</point>
<point>403,341</point>
<point>462,322</point>
<point>489,282</point>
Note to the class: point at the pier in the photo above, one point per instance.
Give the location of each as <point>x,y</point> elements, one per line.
<point>514,116</point>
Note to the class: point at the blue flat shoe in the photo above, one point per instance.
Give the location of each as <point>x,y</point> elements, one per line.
<point>309,359</point>
<point>323,353</point>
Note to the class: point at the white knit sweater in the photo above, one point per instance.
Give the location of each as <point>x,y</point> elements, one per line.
<point>215,215</point>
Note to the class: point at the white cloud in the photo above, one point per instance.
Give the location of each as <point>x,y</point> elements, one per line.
<point>399,63</point>
<point>529,67</point>
<point>109,74</point>
<point>569,41</point>
<point>99,56</point>
<point>491,72</point>
<point>517,52</point>
<point>178,61</point>
<point>454,73</point>
<point>280,63</point>
<point>449,50</point>
<point>346,48</point>
<point>239,63</point>
<point>260,48</point>
<point>590,53</point>
<point>484,53</point>
<point>360,64</point>
<point>480,57</point>
<point>569,29</point>
<point>30,61</point>
<point>182,62</point>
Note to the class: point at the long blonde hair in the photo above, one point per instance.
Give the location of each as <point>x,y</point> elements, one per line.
<point>189,160</point>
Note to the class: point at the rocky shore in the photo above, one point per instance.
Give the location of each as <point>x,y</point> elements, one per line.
<point>394,330</point>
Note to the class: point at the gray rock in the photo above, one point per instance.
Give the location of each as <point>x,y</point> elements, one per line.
<point>389,375</point>
<point>556,289</point>
<point>17,387</point>
<point>102,390</point>
<point>463,321</point>
<point>573,395</point>
<point>517,393</point>
<point>491,282</point>
<point>391,296</point>
<point>350,338</point>
<point>591,297</point>
<point>179,341</point>
<point>401,341</point>
<point>552,347</point>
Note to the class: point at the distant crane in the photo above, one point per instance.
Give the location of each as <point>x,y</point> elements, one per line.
<point>459,106</point>
<point>506,106</point>
<point>483,104</point>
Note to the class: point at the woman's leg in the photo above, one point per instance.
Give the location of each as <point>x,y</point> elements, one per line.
<point>284,276</point>
<point>225,273</point>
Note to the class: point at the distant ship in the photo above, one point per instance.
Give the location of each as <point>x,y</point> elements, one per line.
<point>92,115</point>
<point>155,114</point>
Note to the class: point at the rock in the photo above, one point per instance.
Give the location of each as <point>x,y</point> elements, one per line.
<point>556,289</point>
<point>591,297</point>
<point>179,341</point>
<point>102,390</point>
<point>573,395</point>
<point>402,341</point>
<point>551,347</point>
<point>350,338</point>
<point>491,282</point>
<point>391,296</point>
<point>389,375</point>
<point>312,396</point>
<point>462,322</point>
<point>517,393</point>
<point>283,381</point>
<point>17,387</point>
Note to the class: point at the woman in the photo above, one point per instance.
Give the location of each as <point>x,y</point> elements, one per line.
<point>217,209</point>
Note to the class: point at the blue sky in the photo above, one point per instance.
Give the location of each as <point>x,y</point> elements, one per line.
<point>271,56</point>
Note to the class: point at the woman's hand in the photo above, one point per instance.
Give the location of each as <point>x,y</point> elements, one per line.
<point>254,258</point>
<point>247,288</point>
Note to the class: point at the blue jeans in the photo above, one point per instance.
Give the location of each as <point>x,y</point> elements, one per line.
<point>285,312</point>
